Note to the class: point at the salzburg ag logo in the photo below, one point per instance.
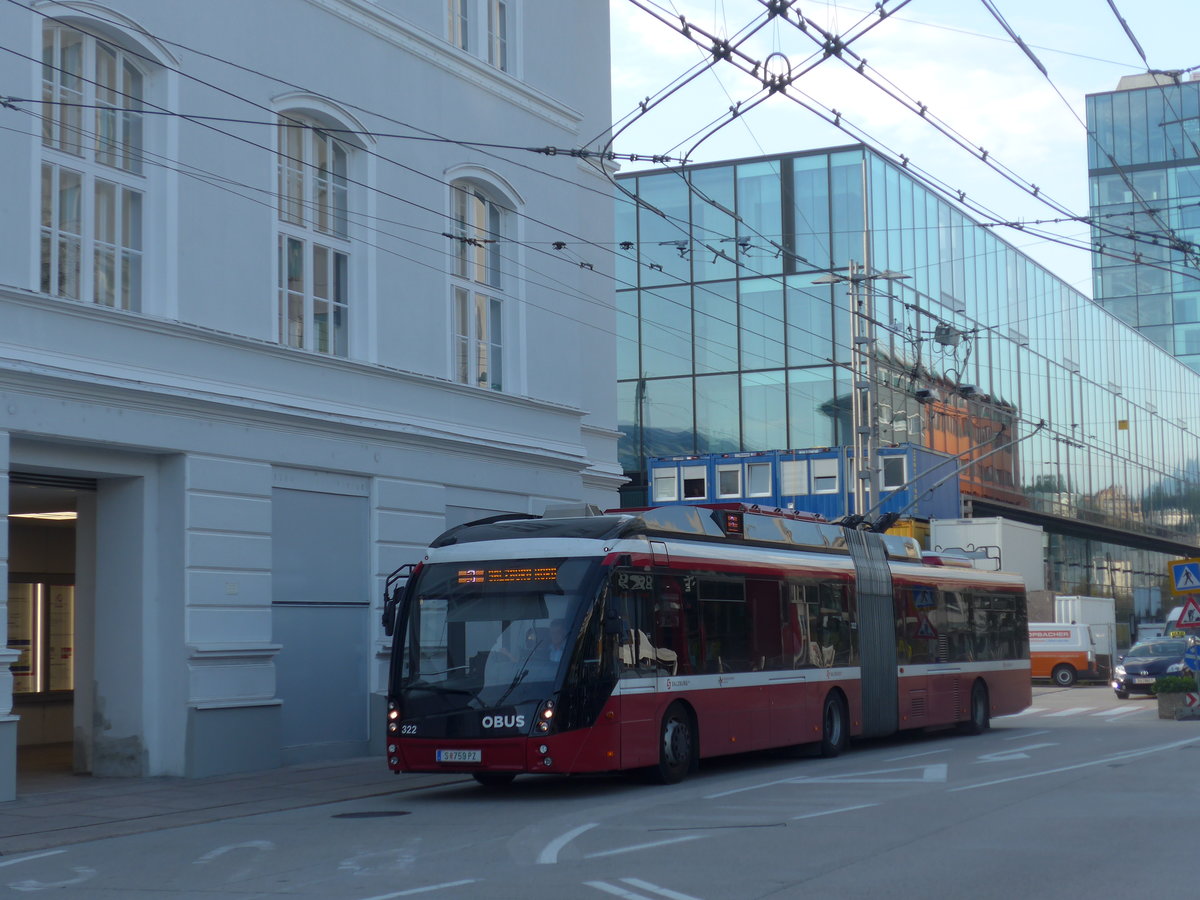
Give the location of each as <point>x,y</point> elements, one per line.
<point>503,722</point>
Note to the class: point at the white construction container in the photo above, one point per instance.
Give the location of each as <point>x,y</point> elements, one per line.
<point>995,543</point>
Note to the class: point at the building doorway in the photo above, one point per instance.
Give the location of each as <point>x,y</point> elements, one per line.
<point>42,570</point>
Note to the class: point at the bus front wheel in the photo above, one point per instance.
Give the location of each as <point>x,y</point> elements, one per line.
<point>1063,675</point>
<point>676,745</point>
<point>834,731</point>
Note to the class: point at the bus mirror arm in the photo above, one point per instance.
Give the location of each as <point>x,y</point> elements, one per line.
<point>612,623</point>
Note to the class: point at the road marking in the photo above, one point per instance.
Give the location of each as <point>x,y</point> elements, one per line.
<point>930,773</point>
<point>13,862</point>
<point>82,874</point>
<point>549,854</point>
<point>678,840</point>
<point>221,851</point>
<point>424,890</point>
<point>1028,711</point>
<point>1117,757</point>
<point>1027,734</point>
<point>1074,710</point>
<point>830,812</point>
<point>915,755</point>
<point>618,891</point>
<point>1113,713</point>
<point>1015,753</point>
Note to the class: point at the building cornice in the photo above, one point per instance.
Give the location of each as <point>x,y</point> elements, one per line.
<point>462,65</point>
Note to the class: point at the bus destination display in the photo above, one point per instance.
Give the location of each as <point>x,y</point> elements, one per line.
<point>510,575</point>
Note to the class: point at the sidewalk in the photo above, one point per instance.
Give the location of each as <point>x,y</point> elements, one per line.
<point>56,809</point>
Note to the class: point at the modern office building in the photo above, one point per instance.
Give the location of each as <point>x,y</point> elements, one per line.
<point>1144,175</point>
<point>269,322</point>
<point>825,299</point>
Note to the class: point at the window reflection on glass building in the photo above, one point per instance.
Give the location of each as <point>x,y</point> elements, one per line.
<point>1144,175</point>
<point>729,343</point>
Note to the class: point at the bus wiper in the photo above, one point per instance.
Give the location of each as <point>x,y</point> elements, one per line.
<point>519,677</point>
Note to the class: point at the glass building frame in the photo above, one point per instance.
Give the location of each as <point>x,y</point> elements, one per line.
<point>1144,180</point>
<point>727,343</point>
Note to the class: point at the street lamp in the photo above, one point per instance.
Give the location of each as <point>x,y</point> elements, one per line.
<point>862,368</point>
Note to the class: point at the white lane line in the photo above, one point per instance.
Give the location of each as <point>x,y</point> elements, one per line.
<point>1116,757</point>
<point>616,891</point>
<point>1015,753</point>
<point>655,889</point>
<point>1028,711</point>
<point>13,862</point>
<point>830,812</point>
<point>424,890</point>
<point>676,840</point>
<point>753,787</point>
<point>1027,734</point>
<point>1113,713</point>
<point>1073,711</point>
<point>549,854</point>
<point>915,755</point>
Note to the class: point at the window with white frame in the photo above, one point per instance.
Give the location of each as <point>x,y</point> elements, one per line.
<point>482,28</point>
<point>92,181</point>
<point>824,476</point>
<point>893,472</point>
<point>665,486</point>
<point>480,285</point>
<point>758,479</point>
<point>313,241</point>
<point>695,482</point>
<point>793,477</point>
<point>729,481</point>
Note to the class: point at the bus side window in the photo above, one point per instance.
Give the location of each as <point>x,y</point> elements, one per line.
<point>795,629</point>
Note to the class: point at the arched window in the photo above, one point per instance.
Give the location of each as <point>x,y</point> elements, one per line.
<point>93,187</point>
<point>481,289</point>
<point>314,240</point>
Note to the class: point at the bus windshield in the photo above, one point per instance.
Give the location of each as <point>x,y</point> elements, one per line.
<point>490,634</point>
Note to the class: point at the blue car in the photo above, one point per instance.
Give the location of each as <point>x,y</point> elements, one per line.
<point>1145,663</point>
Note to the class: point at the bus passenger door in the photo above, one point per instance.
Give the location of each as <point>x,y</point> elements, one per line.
<point>633,600</point>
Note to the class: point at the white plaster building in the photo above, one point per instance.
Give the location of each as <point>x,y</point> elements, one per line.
<point>266,356</point>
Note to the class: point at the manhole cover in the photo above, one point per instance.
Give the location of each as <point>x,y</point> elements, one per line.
<point>372,814</point>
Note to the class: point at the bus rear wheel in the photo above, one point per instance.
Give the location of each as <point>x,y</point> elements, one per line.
<point>980,718</point>
<point>676,745</point>
<point>1063,675</point>
<point>493,779</point>
<point>834,731</point>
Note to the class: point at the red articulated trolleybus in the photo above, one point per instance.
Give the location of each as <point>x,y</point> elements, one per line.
<point>653,638</point>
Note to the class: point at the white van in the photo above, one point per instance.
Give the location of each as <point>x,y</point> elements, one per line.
<point>1066,653</point>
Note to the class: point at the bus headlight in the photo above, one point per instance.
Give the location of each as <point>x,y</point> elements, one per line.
<point>544,719</point>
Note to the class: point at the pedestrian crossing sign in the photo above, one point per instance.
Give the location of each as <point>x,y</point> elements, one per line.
<point>1185,576</point>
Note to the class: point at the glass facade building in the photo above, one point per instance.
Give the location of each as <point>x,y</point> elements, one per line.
<point>1144,177</point>
<point>728,342</point>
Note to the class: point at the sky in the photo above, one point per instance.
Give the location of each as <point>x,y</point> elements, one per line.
<point>951,55</point>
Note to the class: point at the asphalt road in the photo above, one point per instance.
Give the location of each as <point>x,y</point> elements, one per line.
<point>1081,796</point>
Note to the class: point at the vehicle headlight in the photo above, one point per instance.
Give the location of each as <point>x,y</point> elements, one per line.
<point>1175,667</point>
<point>1120,670</point>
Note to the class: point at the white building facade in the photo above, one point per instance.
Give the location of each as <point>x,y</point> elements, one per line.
<point>281,298</point>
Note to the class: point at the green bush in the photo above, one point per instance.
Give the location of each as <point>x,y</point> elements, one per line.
<point>1175,684</point>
